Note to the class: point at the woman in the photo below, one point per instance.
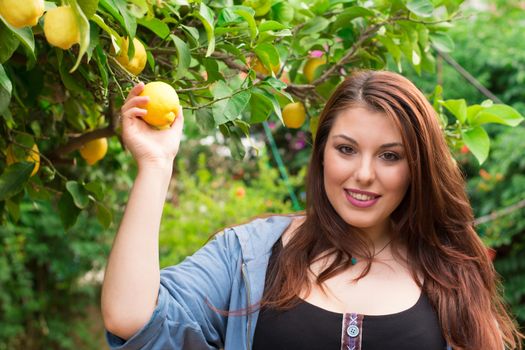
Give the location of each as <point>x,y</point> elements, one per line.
<point>384,257</point>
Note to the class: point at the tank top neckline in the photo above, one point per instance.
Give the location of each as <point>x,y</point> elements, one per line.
<point>338,314</point>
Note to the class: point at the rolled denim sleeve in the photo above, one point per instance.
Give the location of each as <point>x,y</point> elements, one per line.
<point>190,294</point>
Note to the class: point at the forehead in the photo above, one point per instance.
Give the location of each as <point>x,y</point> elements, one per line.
<point>366,125</point>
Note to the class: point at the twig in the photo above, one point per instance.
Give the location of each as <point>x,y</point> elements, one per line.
<point>76,142</point>
<point>467,76</point>
<point>497,214</point>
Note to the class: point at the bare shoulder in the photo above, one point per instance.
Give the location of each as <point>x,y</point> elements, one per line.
<point>291,229</point>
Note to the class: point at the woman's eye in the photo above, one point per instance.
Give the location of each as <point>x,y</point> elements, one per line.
<point>390,156</point>
<point>345,149</point>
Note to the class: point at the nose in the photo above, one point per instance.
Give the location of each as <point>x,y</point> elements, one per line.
<point>365,172</point>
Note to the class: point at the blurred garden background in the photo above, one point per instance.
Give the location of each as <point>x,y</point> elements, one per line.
<point>235,65</point>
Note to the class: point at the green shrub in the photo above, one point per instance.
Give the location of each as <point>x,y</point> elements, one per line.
<point>206,201</point>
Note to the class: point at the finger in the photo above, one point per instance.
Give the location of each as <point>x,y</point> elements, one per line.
<point>135,91</point>
<point>134,112</point>
<point>179,115</point>
<point>178,124</point>
<point>137,101</point>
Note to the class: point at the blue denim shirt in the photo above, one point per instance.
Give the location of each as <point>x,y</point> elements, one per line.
<point>228,273</point>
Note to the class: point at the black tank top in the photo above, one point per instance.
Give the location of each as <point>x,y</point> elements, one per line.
<point>309,327</point>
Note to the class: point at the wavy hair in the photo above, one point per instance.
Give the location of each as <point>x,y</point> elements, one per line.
<point>434,221</point>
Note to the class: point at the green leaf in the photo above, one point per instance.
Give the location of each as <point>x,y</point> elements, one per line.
<point>158,27</point>
<point>97,188</point>
<point>212,68</point>
<point>275,83</point>
<point>67,210</point>
<point>268,55</point>
<point>392,48</point>
<point>233,50</point>
<point>78,193</point>
<point>205,14</point>
<point>83,26</point>
<point>315,25</point>
<point>183,55</point>
<point>104,215</point>
<point>236,105</point>
<point>478,142</point>
<point>205,120</point>
<point>344,18</point>
<point>499,114</point>
<point>220,91</point>
<point>69,81</point>
<point>89,7</point>
<point>14,178</point>
<point>261,107</point>
<point>192,34</point>
<point>442,42</point>
<point>271,25</point>
<point>6,89</point>
<point>472,112</point>
<point>271,96</point>
<point>8,43</point>
<point>102,63</point>
<point>118,9</point>
<point>25,36</point>
<point>248,15</point>
<point>13,207</point>
<point>422,8</point>
<point>458,108</point>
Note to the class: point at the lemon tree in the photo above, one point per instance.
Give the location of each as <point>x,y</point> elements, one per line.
<point>231,66</point>
<point>66,66</point>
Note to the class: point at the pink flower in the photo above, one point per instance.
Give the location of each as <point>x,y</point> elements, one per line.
<point>316,53</point>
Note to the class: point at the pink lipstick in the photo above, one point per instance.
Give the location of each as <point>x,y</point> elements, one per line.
<point>360,203</point>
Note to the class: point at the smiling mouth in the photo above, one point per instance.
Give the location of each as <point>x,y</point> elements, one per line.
<point>360,196</point>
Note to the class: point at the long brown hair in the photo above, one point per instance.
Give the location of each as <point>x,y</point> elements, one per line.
<point>434,222</point>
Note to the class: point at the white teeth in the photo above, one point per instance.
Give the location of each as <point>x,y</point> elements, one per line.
<point>360,197</point>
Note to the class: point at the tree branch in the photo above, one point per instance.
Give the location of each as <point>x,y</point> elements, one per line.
<point>76,142</point>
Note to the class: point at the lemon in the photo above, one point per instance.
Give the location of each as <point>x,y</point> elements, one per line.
<point>310,67</point>
<point>61,27</point>
<point>31,156</point>
<point>138,61</point>
<point>21,13</point>
<point>163,105</point>
<point>257,66</point>
<point>294,115</point>
<point>95,150</point>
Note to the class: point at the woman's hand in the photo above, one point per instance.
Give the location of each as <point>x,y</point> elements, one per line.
<point>149,147</point>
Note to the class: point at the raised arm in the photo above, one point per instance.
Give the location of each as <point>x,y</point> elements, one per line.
<point>132,278</point>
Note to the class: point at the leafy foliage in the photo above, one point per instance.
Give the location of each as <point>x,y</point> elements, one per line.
<point>62,99</point>
<point>211,200</point>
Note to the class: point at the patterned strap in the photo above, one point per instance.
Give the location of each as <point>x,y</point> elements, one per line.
<point>352,332</point>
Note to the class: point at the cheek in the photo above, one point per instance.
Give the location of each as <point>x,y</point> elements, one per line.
<point>398,178</point>
<point>334,170</point>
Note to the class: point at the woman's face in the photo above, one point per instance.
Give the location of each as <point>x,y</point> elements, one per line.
<point>366,173</point>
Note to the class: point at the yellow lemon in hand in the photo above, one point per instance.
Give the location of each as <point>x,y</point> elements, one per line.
<point>21,14</point>
<point>163,106</point>
<point>61,27</point>
<point>94,150</point>
<point>310,67</point>
<point>294,115</point>
<point>138,61</point>
<point>31,156</point>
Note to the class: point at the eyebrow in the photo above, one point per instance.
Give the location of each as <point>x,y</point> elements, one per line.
<point>386,145</point>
